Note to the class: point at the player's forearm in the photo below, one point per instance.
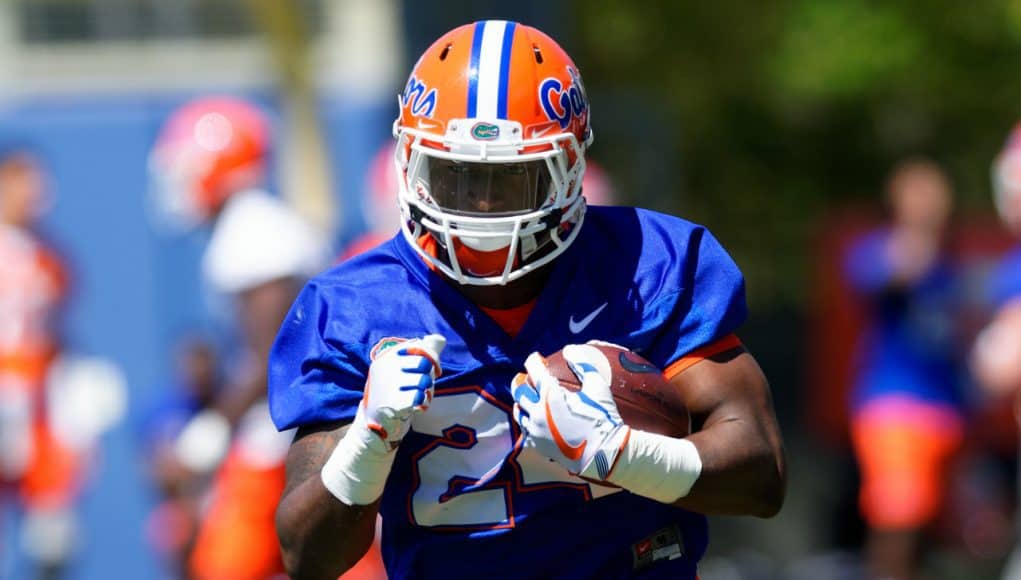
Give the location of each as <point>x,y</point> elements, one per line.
<point>996,356</point>
<point>743,471</point>
<point>740,450</point>
<point>320,536</point>
<point>672,471</point>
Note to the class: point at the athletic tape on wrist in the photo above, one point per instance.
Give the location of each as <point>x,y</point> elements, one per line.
<point>656,466</point>
<point>356,472</point>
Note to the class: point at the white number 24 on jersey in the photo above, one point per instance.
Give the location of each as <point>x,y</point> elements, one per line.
<point>455,481</point>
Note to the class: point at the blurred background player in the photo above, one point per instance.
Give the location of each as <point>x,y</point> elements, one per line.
<point>173,524</point>
<point>40,471</point>
<point>907,419</point>
<point>996,357</point>
<point>210,165</point>
<point>380,212</point>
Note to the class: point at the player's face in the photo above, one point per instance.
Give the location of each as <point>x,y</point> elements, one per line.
<point>21,191</point>
<point>488,188</point>
<point>199,369</point>
<point>922,199</point>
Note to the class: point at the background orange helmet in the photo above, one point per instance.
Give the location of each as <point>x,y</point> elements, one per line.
<point>208,149</point>
<point>491,140</point>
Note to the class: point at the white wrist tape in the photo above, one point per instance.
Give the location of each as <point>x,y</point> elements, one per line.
<point>357,469</point>
<point>657,467</point>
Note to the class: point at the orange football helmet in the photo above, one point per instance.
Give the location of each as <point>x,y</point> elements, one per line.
<point>491,140</point>
<point>207,150</point>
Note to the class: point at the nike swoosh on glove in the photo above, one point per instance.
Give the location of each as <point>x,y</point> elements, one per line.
<point>580,430</point>
<point>400,383</point>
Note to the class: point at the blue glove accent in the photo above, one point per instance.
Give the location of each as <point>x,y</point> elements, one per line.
<point>425,381</point>
<point>588,401</point>
<point>526,391</point>
<point>580,369</point>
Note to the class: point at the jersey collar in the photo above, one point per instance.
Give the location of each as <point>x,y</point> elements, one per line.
<point>467,319</point>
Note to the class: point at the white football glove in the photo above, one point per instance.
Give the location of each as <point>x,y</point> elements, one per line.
<point>580,430</point>
<point>400,384</point>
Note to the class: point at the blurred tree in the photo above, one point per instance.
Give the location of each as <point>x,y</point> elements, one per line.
<point>306,173</point>
<point>782,110</point>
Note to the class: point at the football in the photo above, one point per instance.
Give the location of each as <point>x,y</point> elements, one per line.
<point>645,399</point>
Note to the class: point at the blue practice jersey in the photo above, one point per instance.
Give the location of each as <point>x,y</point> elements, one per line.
<point>1005,283</point>
<point>463,498</point>
<point>910,342</point>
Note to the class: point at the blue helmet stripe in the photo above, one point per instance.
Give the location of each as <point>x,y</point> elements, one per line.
<point>505,59</point>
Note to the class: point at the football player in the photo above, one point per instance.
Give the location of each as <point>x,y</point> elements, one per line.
<point>44,471</point>
<point>907,408</point>
<point>209,166</point>
<point>996,356</point>
<point>172,525</point>
<point>400,367</point>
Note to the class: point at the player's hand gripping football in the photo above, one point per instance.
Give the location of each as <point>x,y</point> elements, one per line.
<point>400,384</point>
<point>582,430</point>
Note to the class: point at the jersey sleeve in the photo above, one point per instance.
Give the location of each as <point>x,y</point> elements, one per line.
<point>1005,283</point>
<point>317,367</point>
<point>866,266</point>
<point>706,310</point>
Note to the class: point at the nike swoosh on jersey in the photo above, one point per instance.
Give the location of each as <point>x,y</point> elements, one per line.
<point>577,326</point>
